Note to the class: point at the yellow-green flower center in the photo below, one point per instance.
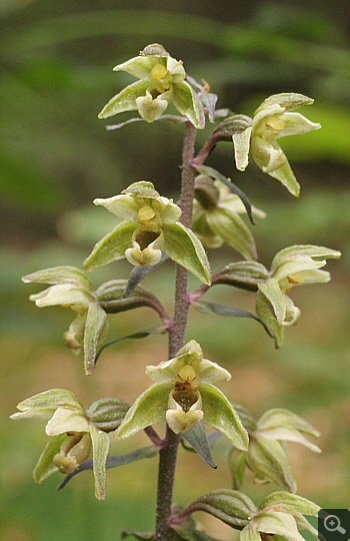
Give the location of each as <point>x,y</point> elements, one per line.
<point>161,78</point>
<point>146,214</point>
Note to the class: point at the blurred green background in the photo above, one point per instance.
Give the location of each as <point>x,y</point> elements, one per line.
<point>56,157</point>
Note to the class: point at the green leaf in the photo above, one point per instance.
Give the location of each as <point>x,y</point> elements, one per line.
<point>183,247</point>
<point>45,466</point>
<point>192,535</point>
<point>112,247</point>
<point>148,536</point>
<point>147,410</point>
<point>96,325</point>
<point>197,438</point>
<point>231,228</point>
<point>107,413</point>
<point>272,291</point>
<point>234,189</point>
<point>219,414</point>
<point>100,449</point>
<point>291,503</point>
<point>267,459</point>
<point>139,273</point>
<point>230,506</point>
<point>114,461</point>
<point>125,100</point>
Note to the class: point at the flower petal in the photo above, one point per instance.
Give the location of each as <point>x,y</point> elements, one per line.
<point>67,420</point>
<point>140,66</point>
<point>125,100</point>
<point>187,103</point>
<point>45,466</point>
<point>241,142</point>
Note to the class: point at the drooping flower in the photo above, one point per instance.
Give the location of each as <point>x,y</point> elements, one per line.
<point>72,436</point>
<point>216,217</point>
<point>272,120</point>
<point>71,287</point>
<point>150,225</point>
<point>291,267</point>
<point>161,82</point>
<point>184,394</point>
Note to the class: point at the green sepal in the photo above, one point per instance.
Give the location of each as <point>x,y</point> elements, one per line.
<point>148,536</point>
<point>198,439</point>
<point>125,100</point>
<point>242,274</point>
<point>268,460</point>
<point>267,316</point>
<point>59,275</point>
<point>112,247</point>
<point>100,448</point>
<point>188,104</point>
<point>286,177</point>
<point>232,229</point>
<point>290,503</point>
<point>237,464</point>
<point>147,410</point>
<point>45,466</point>
<point>278,523</point>
<point>183,247</point>
<point>219,414</point>
<point>230,506</point>
<point>272,291</point>
<point>250,533</point>
<point>241,142</point>
<point>52,399</point>
<point>107,413</point>
<point>300,254</point>
<point>96,328</point>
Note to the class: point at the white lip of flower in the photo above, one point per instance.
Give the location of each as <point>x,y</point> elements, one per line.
<point>151,109</point>
<point>148,256</point>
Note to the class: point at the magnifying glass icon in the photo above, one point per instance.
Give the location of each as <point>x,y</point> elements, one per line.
<point>332,524</point>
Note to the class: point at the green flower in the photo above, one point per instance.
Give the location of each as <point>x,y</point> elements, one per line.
<point>150,224</point>
<point>72,435</point>
<point>72,288</point>
<point>216,217</point>
<point>184,394</point>
<point>291,267</point>
<point>161,82</point>
<point>271,121</point>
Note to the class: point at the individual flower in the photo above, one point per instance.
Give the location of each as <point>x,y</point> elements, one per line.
<point>216,217</point>
<point>72,288</point>
<point>294,266</point>
<point>161,82</point>
<point>150,224</point>
<point>72,436</point>
<point>271,121</point>
<point>184,394</point>
<point>267,456</point>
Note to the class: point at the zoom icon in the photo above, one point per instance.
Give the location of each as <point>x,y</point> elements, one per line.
<point>334,525</point>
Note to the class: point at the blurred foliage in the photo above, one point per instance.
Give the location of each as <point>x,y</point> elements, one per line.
<point>56,156</point>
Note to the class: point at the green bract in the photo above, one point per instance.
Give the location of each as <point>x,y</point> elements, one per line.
<point>271,121</point>
<point>216,217</point>
<point>150,224</point>
<point>72,288</point>
<point>72,436</point>
<point>291,267</point>
<point>184,394</point>
<point>161,81</point>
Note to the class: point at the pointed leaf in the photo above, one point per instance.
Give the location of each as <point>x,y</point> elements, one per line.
<point>139,273</point>
<point>222,310</point>
<point>114,461</point>
<point>96,324</point>
<point>291,503</point>
<point>267,459</point>
<point>112,247</point>
<point>234,189</point>
<point>183,247</point>
<point>100,449</point>
<point>125,100</point>
<point>230,506</point>
<point>197,438</point>
<point>147,410</point>
<point>232,229</point>
<point>45,466</point>
<point>219,414</point>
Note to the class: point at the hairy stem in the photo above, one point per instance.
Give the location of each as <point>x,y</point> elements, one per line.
<point>167,455</point>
